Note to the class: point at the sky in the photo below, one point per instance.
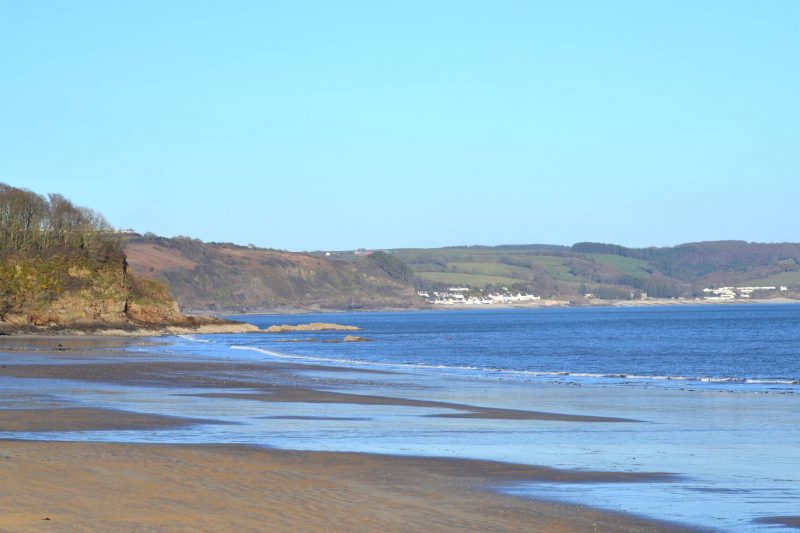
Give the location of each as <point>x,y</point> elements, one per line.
<point>314,125</point>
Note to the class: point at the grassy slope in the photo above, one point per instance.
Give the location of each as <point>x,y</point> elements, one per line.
<point>789,279</point>
<point>482,266</point>
<point>472,280</point>
<point>628,265</point>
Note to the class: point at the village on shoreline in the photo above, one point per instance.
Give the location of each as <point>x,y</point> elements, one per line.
<point>465,296</point>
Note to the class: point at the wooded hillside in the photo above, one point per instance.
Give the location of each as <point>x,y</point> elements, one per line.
<point>227,277</point>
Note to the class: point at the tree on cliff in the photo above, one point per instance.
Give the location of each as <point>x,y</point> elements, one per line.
<point>62,264</point>
<point>32,225</point>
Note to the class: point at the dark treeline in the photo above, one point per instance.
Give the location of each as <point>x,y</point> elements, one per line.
<point>688,262</point>
<point>601,248</point>
<point>653,286</point>
<point>391,265</point>
<point>694,260</point>
<point>31,225</point>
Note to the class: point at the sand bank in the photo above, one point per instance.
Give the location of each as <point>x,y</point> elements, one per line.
<point>302,395</point>
<point>117,487</point>
<point>86,419</point>
<point>270,379</point>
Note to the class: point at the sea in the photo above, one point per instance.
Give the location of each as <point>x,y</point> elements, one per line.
<point>712,392</point>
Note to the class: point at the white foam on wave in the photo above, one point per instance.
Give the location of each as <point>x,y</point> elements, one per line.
<point>192,338</point>
<point>532,373</point>
<point>316,359</point>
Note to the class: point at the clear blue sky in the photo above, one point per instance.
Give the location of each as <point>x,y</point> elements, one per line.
<point>334,125</point>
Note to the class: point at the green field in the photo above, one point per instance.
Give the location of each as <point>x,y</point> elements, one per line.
<point>492,269</point>
<point>556,267</point>
<point>627,265</point>
<point>480,266</point>
<point>790,279</point>
<point>473,280</point>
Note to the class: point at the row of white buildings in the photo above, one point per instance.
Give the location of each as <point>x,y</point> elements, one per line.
<point>731,293</point>
<point>460,296</point>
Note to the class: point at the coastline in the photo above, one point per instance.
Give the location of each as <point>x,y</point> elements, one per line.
<point>215,487</point>
<point>542,304</point>
<point>238,327</point>
<point>437,385</point>
<point>123,330</point>
<point>652,302</point>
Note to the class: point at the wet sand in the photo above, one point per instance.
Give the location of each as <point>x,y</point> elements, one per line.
<point>786,521</point>
<point>269,378</point>
<point>74,342</point>
<point>85,419</point>
<point>118,487</point>
<point>300,395</point>
<point>60,486</point>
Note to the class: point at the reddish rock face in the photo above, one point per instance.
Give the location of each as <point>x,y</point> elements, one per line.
<point>155,313</point>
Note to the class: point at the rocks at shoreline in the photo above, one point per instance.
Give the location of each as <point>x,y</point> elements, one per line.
<point>181,326</point>
<point>346,338</point>
<point>186,325</point>
<point>355,338</point>
<point>314,326</point>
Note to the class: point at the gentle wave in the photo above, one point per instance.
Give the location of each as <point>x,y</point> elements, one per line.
<point>534,373</point>
<point>279,355</point>
<point>192,338</point>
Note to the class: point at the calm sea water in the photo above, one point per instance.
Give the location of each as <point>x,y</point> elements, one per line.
<point>737,347</point>
<point>716,391</point>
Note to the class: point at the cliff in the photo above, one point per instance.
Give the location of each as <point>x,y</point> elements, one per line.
<point>60,294</point>
<point>68,290</point>
<point>61,266</point>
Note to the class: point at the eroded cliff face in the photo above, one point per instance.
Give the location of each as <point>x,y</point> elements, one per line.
<point>68,291</point>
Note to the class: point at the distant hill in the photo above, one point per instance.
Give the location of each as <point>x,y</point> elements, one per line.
<point>222,277</point>
<point>63,264</point>
<point>225,277</point>
<point>608,270</point>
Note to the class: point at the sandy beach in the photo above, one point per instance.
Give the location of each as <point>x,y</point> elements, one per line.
<point>117,486</point>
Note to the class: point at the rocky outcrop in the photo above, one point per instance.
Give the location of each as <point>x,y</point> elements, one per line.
<point>62,266</point>
<point>69,294</point>
<point>354,338</point>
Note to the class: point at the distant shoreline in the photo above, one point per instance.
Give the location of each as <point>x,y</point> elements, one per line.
<point>116,331</point>
<point>541,304</point>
